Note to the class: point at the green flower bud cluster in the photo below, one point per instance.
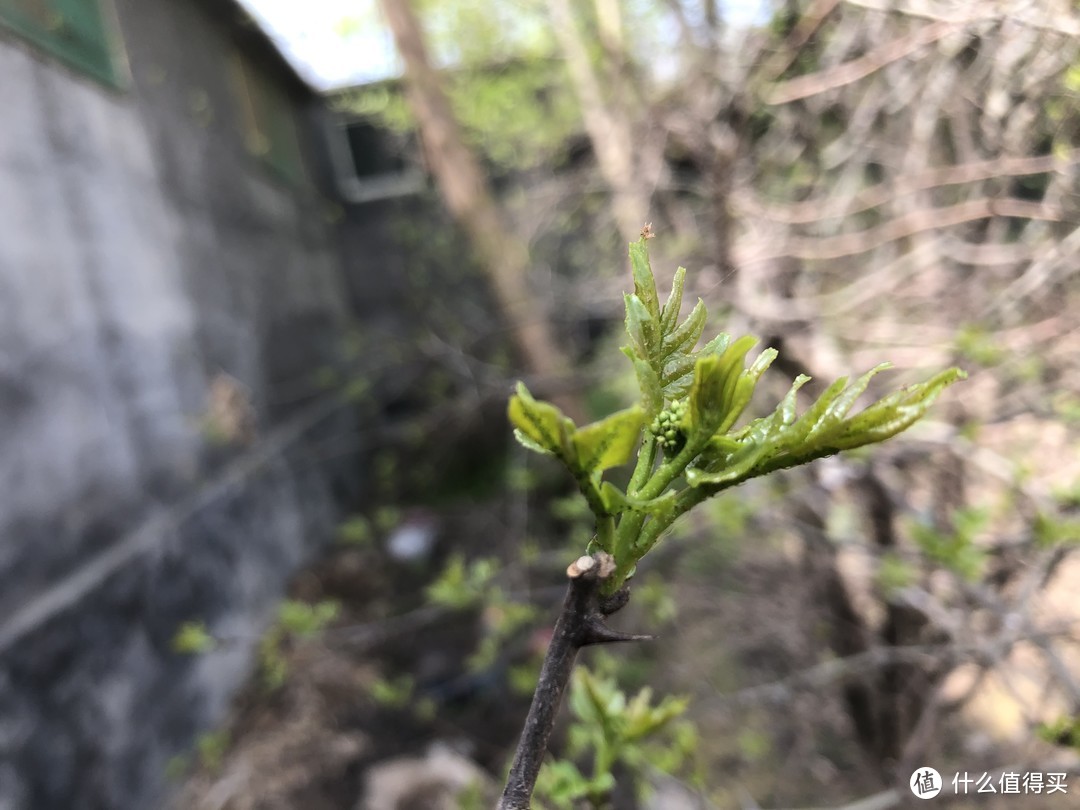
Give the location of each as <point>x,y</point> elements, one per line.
<point>666,427</point>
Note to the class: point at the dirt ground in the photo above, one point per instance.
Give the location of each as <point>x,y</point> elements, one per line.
<point>323,739</point>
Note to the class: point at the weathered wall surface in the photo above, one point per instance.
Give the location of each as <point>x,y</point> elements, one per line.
<point>142,251</point>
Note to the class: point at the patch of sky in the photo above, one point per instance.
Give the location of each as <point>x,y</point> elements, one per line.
<point>339,43</point>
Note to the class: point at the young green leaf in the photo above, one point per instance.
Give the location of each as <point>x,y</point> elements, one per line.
<point>609,442</point>
<point>843,403</point>
<point>775,443</point>
<point>541,423</point>
<point>601,700</point>
<point>652,395</point>
<point>678,370</point>
<point>643,719</point>
<point>694,439</point>
<point>713,391</point>
<point>815,415</point>
<point>642,326</point>
<point>687,334</point>
<point>744,388</point>
<point>529,444</point>
<point>896,412</point>
<point>669,316</point>
<point>786,409</point>
<point>644,281</point>
<point>562,784</point>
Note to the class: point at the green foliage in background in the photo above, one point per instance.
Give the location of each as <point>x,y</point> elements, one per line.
<point>209,754</point>
<point>356,531</point>
<point>193,639</point>
<point>1064,731</point>
<point>1052,530</point>
<point>612,730</point>
<point>296,621</point>
<point>519,115</point>
<point>462,585</point>
<point>211,748</point>
<point>685,429</point>
<point>955,550</point>
<point>396,693</point>
<point>507,90</point>
<point>505,75</point>
<point>305,620</point>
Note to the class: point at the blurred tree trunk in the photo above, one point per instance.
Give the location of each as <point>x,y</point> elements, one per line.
<point>463,186</point>
<point>630,169</point>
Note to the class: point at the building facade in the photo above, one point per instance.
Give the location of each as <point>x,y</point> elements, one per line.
<point>167,246</point>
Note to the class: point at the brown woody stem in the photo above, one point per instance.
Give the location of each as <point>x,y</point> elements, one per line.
<point>580,624</point>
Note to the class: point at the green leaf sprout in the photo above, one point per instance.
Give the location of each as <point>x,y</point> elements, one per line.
<point>689,447</point>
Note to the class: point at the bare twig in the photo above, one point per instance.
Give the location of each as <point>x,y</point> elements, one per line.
<point>860,68</point>
<point>1056,24</point>
<point>815,210</point>
<point>810,21</point>
<point>609,127</point>
<point>917,222</point>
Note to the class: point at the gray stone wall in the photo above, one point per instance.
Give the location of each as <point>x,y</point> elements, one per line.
<point>142,251</point>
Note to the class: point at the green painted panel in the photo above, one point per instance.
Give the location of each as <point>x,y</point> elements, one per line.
<point>71,30</point>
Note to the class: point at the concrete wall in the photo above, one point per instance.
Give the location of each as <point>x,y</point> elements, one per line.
<point>142,251</point>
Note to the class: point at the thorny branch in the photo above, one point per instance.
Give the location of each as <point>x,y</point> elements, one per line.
<point>581,623</point>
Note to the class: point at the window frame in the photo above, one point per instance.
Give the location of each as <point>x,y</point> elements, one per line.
<point>356,188</point>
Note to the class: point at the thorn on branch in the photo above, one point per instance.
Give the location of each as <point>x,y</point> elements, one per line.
<point>586,608</point>
<point>596,632</point>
